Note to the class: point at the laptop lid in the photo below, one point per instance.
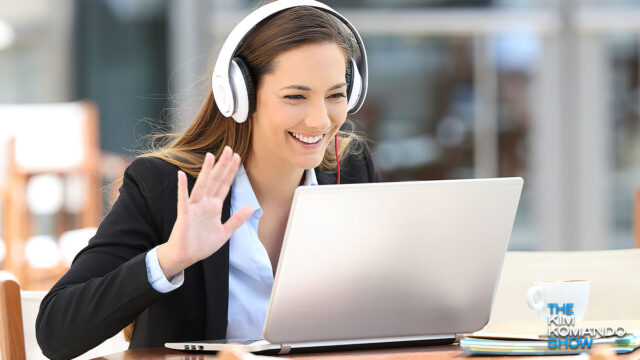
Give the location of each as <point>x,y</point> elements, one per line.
<point>388,260</point>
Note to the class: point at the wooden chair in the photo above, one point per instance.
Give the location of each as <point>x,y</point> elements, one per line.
<point>55,139</point>
<point>18,312</point>
<point>11,328</point>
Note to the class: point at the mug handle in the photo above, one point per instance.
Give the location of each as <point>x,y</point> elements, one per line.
<point>535,291</point>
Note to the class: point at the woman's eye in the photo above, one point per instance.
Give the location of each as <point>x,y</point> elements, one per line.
<point>294,97</point>
<point>302,97</point>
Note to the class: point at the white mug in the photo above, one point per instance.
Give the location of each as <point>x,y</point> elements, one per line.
<point>542,293</point>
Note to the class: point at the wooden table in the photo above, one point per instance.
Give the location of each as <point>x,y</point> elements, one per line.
<point>440,352</point>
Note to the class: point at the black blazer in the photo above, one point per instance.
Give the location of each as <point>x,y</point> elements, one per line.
<point>107,287</point>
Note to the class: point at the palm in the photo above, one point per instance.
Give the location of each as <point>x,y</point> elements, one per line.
<point>198,231</point>
<point>202,229</point>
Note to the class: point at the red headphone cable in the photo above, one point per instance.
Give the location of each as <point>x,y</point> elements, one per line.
<point>337,160</point>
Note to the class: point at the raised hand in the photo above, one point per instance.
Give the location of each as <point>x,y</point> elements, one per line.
<point>198,231</point>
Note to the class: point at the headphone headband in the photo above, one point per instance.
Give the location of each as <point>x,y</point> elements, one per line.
<point>226,97</point>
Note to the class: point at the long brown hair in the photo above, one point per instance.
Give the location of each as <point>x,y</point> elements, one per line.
<point>210,131</point>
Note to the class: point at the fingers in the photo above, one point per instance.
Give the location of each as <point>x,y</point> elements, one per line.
<point>215,181</point>
<point>199,188</point>
<point>217,175</point>
<point>183,193</point>
<point>229,176</point>
<point>237,219</point>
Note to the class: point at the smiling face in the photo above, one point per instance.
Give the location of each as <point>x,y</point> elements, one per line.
<point>300,106</point>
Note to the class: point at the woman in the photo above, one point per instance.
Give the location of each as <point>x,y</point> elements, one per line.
<point>183,272</point>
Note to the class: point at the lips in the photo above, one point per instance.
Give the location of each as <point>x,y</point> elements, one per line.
<point>307,139</point>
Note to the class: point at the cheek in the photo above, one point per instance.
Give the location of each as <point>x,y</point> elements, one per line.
<point>337,113</point>
<point>278,117</point>
<point>286,115</point>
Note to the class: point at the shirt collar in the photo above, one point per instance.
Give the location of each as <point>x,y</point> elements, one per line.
<point>242,193</point>
<point>310,178</point>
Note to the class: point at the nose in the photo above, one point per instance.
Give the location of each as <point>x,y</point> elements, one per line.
<point>318,117</point>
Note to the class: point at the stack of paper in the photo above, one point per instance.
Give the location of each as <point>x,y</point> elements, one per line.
<point>497,344</point>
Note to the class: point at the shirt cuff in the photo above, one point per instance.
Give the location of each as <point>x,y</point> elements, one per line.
<point>156,277</point>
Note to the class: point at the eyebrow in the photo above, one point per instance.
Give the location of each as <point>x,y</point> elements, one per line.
<point>306,88</point>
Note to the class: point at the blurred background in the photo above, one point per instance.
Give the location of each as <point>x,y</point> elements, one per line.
<point>543,89</point>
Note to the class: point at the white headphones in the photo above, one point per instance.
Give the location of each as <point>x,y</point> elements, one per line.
<point>233,88</point>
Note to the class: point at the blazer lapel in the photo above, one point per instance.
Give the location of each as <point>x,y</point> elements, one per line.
<point>216,283</point>
<point>325,178</point>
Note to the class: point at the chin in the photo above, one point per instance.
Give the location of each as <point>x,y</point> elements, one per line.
<point>308,162</point>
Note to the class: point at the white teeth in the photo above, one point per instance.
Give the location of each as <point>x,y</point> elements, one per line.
<point>308,140</point>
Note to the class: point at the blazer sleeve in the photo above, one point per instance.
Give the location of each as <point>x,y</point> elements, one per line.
<point>106,287</point>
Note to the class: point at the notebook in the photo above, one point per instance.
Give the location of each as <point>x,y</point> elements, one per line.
<point>495,346</point>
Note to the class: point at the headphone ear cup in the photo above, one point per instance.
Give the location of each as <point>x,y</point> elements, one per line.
<point>354,87</point>
<point>243,88</point>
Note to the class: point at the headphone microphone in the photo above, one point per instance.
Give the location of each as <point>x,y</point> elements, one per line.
<point>231,82</point>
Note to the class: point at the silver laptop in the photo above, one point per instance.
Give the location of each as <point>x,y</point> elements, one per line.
<point>385,264</point>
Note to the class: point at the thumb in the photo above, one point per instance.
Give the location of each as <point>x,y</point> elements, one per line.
<point>237,219</point>
<point>183,193</point>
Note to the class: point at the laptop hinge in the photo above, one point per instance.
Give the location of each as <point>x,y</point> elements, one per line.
<point>284,349</point>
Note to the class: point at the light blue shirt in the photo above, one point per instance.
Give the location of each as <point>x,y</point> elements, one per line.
<point>250,273</point>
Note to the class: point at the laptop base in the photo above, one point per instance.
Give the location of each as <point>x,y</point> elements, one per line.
<point>265,348</point>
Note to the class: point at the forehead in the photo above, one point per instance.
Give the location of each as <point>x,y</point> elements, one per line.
<point>317,63</point>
